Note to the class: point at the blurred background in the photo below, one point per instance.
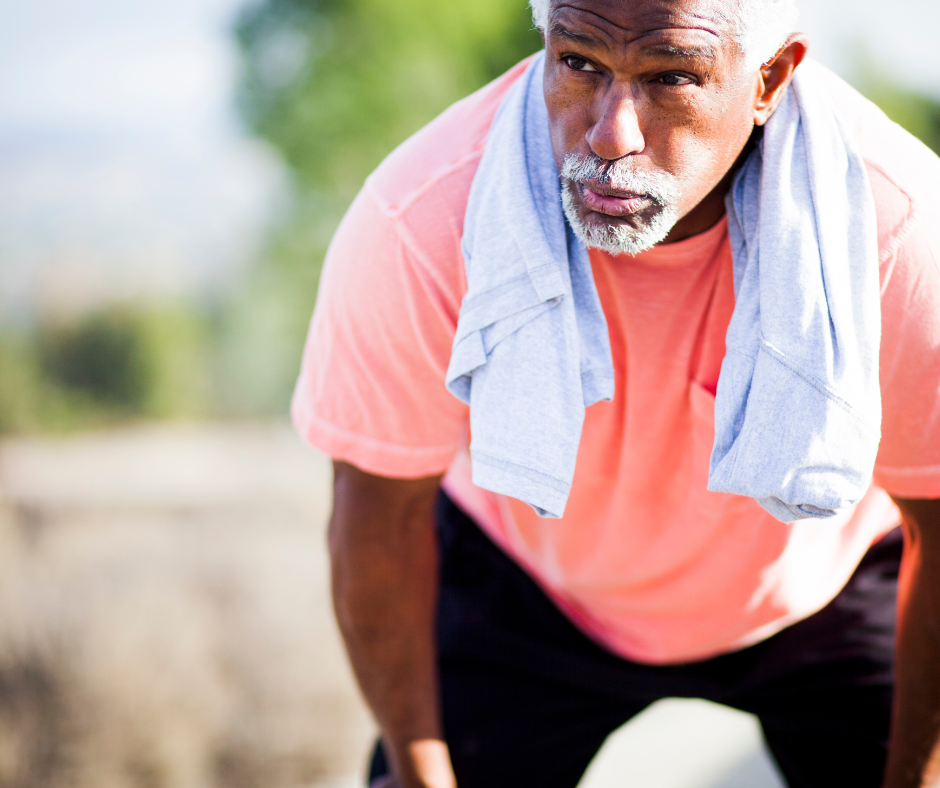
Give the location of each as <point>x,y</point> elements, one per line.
<point>170,175</point>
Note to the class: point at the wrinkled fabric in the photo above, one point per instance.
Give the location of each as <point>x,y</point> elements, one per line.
<point>798,407</point>
<point>531,350</point>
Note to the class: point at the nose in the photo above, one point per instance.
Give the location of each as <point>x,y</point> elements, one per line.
<point>616,132</point>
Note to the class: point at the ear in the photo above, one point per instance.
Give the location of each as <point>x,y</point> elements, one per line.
<point>775,75</point>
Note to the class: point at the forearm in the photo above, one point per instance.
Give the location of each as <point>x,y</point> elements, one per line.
<point>384,606</point>
<point>385,578</point>
<point>914,756</point>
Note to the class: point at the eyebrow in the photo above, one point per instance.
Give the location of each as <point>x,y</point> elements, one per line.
<point>691,52</point>
<point>702,52</point>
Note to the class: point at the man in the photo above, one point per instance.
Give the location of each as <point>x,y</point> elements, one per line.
<point>497,648</point>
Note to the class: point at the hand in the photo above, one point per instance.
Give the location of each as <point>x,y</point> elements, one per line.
<point>428,764</point>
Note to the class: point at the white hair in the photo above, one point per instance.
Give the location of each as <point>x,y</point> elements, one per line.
<point>647,229</point>
<point>761,27</point>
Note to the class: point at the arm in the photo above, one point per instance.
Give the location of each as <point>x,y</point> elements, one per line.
<point>383,551</point>
<point>914,754</point>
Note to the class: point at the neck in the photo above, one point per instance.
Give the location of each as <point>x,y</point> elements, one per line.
<point>711,209</point>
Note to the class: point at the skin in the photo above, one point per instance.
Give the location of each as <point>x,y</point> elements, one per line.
<point>383,552</point>
<point>914,752</point>
<point>659,81</point>
<point>660,84</point>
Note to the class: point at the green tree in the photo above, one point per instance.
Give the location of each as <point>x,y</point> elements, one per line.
<point>335,85</point>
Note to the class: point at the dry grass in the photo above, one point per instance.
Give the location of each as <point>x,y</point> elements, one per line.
<point>164,615</point>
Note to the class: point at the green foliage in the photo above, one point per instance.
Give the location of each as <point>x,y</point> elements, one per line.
<point>21,390</point>
<point>115,364</point>
<point>99,357</point>
<point>336,84</point>
<point>261,331</point>
<point>177,342</point>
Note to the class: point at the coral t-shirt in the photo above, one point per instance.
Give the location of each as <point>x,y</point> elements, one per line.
<point>646,561</point>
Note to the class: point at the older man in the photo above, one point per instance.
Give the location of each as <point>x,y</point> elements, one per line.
<point>498,648</point>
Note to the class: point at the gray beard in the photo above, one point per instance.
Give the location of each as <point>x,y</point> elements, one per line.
<point>619,237</point>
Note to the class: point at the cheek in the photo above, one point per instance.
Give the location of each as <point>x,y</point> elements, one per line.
<point>569,103</point>
<point>700,152</point>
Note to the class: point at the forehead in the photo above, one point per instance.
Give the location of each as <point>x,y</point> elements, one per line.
<point>624,21</point>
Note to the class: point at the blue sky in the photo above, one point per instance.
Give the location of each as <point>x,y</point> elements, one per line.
<point>125,172</point>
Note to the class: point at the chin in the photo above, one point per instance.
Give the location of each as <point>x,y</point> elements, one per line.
<point>615,235</point>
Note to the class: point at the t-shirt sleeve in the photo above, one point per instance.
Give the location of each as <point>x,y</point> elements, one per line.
<point>371,388</point>
<point>908,463</point>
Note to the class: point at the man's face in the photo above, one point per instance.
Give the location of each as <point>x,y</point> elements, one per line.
<point>649,107</point>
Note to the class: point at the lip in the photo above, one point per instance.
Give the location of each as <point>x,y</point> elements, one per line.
<point>613,203</point>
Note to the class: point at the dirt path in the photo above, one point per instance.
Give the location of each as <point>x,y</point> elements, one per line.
<point>164,615</point>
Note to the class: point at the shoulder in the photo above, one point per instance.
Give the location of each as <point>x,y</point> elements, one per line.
<point>904,173</point>
<point>423,185</point>
<point>371,389</point>
<point>396,256</point>
<point>905,181</point>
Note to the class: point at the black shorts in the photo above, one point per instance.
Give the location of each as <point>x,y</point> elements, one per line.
<point>528,699</point>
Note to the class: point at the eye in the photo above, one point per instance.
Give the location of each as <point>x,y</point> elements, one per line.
<point>576,63</point>
<point>675,80</point>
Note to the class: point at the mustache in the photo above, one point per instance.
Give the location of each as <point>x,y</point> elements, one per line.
<point>621,175</point>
